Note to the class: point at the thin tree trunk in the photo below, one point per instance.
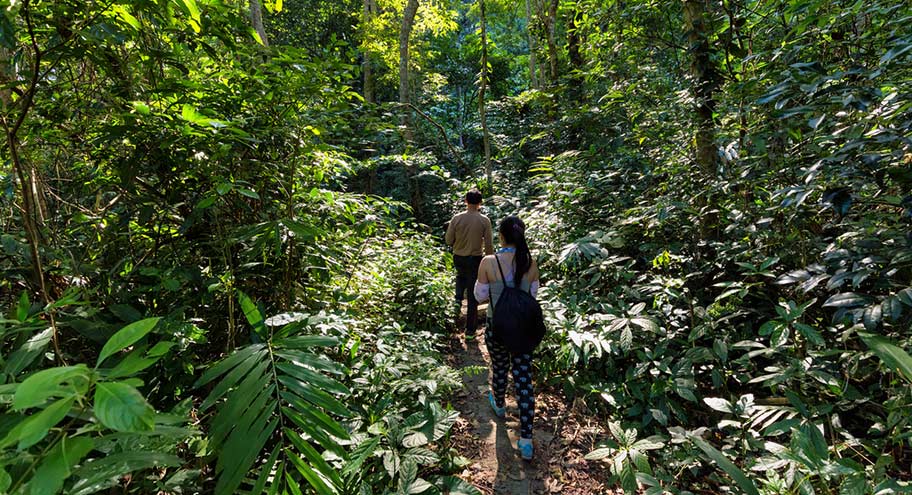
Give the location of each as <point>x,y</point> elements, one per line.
<point>256,18</point>
<point>405,32</point>
<point>552,44</point>
<point>704,84</point>
<point>576,57</point>
<point>6,77</point>
<point>26,173</point>
<point>533,75</point>
<point>367,60</point>
<point>483,83</point>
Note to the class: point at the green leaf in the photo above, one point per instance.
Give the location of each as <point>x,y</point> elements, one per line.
<point>248,192</point>
<point>7,30</point>
<point>206,202</point>
<point>252,313</point>
<point>125,15</point>
<point>316,461</point>
<point>743,482</point>
<point>892,355</point>
<point>26,355</point>
<point>645,323</point>
<point>142,108</point>
<point>5,480</point>
<point>845,300</point>
<point>408,471</point>
<point>770,327</point>
<point>600,453</point>
<point>653,442</point>
<point>229,363</point>
<point>22,309</point>
<point>628,478</point>
<point>360,454</point>
<point>127,336</point>
<point>266,470</point>
<point>224,188</point>
<point>192,115</point>
<point>872,316</point>
<point>810,333</point>
<point>313,478</point>
<point>905,296</point>
<point>34,428</point>
<point>192,10</point>
<point>424,457</point>
<point>895,52</point>
<point>451,485</point>
<point>41,386</point>
<point>305,341</point>
<point>719,404</point>
<point>107,471</point>
<point>121,407</point>
<point>58,464</point>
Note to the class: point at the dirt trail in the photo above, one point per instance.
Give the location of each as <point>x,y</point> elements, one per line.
<point>561,437</point>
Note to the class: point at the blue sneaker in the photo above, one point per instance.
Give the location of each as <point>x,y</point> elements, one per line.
<point>525,448</point>
<point>500,412</point>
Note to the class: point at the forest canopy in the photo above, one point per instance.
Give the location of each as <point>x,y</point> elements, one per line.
<point>222,266</point>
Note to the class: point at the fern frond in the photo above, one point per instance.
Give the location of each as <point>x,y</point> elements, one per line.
<point>276,400</point>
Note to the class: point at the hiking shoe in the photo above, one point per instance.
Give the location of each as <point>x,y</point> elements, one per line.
<point>500,412</point>
<point>525,448</point>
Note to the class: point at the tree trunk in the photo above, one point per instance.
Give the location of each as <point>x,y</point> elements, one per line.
<point>704,84</point>
<point>6,77</point>
<point>367,69</point>
<point>576,57</point>
<point>482,87</point>
<point>552,44</point>
<point>405,32</point>
<point>533,75</point>
<point>256,18</point>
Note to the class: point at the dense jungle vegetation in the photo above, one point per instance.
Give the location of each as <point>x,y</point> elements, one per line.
<point>222,258</point>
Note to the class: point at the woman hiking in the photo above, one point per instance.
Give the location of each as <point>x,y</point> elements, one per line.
<point>512,266</point>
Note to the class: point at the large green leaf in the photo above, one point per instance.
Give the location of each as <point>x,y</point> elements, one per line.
<point>34,428</point>
<point>58,464</point>
<point>253,314</point>
<point>127,336</point>
<point>106,471</point>
<point>891,354</point>
<point>28,352</point>
<point>44,384</point>
<point>743,482</point>
<point>258,385</point>
<point>121,407</point>
<point>451,485</point>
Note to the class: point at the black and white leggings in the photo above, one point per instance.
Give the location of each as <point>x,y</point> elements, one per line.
<point>501,362</point>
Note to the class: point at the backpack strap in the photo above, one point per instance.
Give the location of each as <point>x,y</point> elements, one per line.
<point>500,268</point>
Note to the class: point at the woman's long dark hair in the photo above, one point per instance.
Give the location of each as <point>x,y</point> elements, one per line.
<point>513,231</point>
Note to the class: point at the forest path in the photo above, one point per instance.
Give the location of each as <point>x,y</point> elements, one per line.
<point>562,436</point>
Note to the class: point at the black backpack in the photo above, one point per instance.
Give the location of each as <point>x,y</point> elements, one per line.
<point>518,321</point>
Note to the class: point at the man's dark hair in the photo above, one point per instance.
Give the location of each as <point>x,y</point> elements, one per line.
<point>473,197</point>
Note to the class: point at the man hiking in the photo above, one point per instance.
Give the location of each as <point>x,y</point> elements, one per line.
<point>470,235</point>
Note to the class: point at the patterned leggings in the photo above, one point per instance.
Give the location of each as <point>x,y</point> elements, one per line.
<point>522,380</point>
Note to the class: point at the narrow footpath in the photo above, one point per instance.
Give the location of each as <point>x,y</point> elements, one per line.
<point>563,435</point>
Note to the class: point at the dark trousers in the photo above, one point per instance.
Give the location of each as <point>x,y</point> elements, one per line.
<point>520,366</point>
<point>466,274</point>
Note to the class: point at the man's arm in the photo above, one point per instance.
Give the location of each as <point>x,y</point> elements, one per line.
<point>488,237</point>
<point>450,237</point>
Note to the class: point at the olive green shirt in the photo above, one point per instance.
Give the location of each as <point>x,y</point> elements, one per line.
<point>470,234</point>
